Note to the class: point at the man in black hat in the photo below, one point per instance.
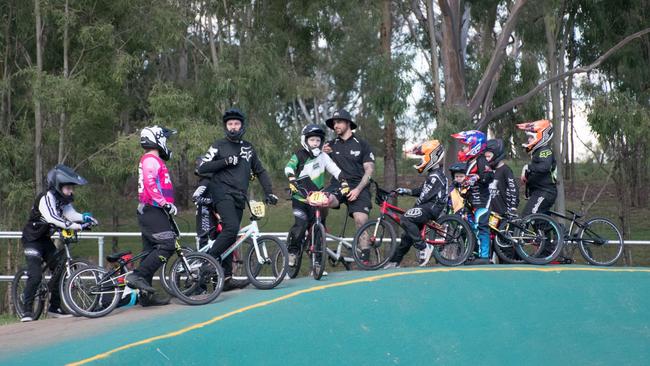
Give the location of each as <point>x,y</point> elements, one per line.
<point>357,162</point>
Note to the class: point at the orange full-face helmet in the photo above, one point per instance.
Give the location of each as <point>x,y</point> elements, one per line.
<point>539,133</point>
<point>432,153</point>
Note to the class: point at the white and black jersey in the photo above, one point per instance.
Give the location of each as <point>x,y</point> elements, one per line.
<point>350,155</point>
<point>504,191</point>
<point>233,178</point>
<point>49,211</point>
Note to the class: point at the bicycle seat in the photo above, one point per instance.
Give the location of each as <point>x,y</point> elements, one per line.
<point>112,258</point>
<point>576,214</point>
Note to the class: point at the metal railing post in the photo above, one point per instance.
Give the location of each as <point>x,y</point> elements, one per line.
<point>100,250</point>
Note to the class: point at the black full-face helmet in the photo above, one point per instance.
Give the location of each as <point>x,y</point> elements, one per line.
<point>62,175</point>
<point>309,131</point>
<point>234,113</point>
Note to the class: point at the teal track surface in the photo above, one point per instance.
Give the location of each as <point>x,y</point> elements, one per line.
<point>473,315</point>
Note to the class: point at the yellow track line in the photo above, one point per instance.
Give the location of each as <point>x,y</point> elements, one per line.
<point>346,283</point>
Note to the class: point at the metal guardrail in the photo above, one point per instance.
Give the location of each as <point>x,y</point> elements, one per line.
<point>100,236</point>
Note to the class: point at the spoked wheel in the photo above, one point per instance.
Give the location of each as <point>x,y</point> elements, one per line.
<point>18,287</point>
<point>90,292</point>
<point>166,269</point>
<point>75,264</point>
<point>196,278</point>
<point>504,247</point>
<point>374,244</point>
<point>318,253</point>
<point>267,266</point>
<point>538,239</point>
<point>453,240</point>
<point>601,242</point>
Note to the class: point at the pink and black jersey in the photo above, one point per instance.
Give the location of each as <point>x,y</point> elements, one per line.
<point>154,184</point>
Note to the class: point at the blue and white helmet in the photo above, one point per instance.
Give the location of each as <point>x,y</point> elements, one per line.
<point>155,137</point>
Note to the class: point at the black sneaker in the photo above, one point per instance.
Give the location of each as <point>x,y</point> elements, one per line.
<point>365,256</point>
<point>136,281</point>
<point>234,284</point>
<point>147,299</point>
<point>57,313</point>
<point>27,317</point>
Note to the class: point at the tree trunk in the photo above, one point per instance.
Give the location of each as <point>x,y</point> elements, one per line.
<point>390,163</point>
<point>64,115</point>
<point>552,58</point>
<point>451,53</point>
<point>38,118</point>
<point>6,77</point>
<point>433,50</point>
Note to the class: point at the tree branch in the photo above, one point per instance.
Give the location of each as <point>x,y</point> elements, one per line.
<point>496,60</point>
<point>103,149</point>
<point>578,70</point>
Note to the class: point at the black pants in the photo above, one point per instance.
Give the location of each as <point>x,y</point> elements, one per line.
<point>539,202</point>
<point>205,224</point>
<point>231,210</point>
<point>412,222</point>
<point>157,237</point>
<point>37,252</point>
<point>304,215</point>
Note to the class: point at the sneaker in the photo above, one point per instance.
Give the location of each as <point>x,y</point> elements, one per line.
<point>234,284</point>
<point>135,281</point>
<point>390,265</point>
<point>425,255</point>
<point>311,274</point>
<point>292,260</point>
<point>27,317</point>
<point>57,313</point>
<point>148,299</point>
<point>480,261</point>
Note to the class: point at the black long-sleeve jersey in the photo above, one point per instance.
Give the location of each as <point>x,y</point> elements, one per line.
<point>479,192</point>
<point>504,191</point>
<point>49,211</point>
<point>541,171</point>
<point>433,192</point>
<point>234,178</point>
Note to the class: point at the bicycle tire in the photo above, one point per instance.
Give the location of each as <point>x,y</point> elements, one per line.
<point>205,282</point>
<point>596,244</point>
<point>272,271</point>
<point>459,240</point>
<point>377,241</point>
<point>165,270</point>
<point>318,253</point>
<point>239,266</point>
<point>92,294</point>
<point>18,286</point>
<point>75,264</point>
<point>505,248</point>
<point>538,239</point>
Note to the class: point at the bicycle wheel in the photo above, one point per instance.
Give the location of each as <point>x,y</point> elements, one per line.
<point>538,239</point>
<point>75,264</point>
<point>504,246</point>
<point>267,266</point>
<point>379,238</point>
<point>601,242</point>
<point>318,253</point>
<point>18,287</point>
<point>91,292</point>
<point>165,272</point>
<point>196,278</point>
<point>453,240</point>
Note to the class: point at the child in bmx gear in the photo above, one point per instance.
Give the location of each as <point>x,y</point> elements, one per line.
<point>539,175</point>
<point>309,161</point>
<point>156,204</point>
<point>431,202</point>
<point>479,176</point>
<point>52,208</point>
<point>457,192</point>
